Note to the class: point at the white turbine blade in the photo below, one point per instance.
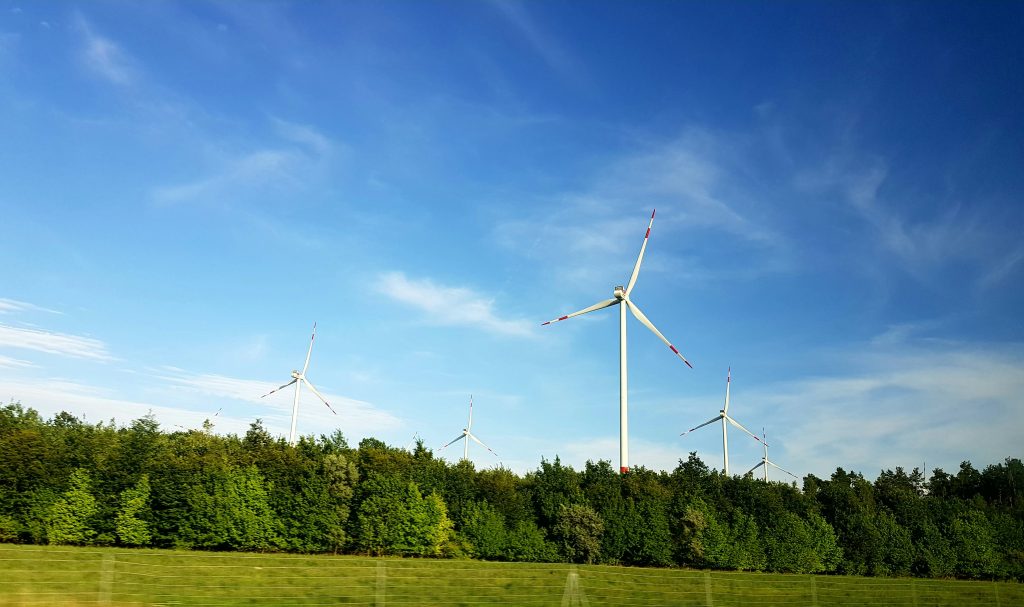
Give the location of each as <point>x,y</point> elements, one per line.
<point>781,468</point>
<point>647,323</point>
<point>310,351</point>
<point>597,306</point>
<point>756,466</point>
<point>482,444</point>
<point>320,396</point>
<point>469,424</point>
<point>740,426</point>
<point>710,421</point>
<point>728,382</point>
<point>455,440</point>
<point>640,258</point>
<point>279,387</point>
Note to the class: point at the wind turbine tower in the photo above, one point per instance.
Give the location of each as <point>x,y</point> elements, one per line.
<point>621,296</point>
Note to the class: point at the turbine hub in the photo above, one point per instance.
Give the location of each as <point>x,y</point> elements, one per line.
<point>620,292</point>
<point>296,374</point>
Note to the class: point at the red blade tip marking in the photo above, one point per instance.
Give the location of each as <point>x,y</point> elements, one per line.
<point>648,234</point>
<point>563,318</point>
<point>688,364</point>
<point>673,348</point>
<point>652,213</point>
<point>548,322</point>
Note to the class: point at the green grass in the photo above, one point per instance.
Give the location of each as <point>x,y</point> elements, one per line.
<point>41,575</point>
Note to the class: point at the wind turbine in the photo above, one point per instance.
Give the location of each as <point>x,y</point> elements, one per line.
<point>299,378</point>
<point>765,461</point>
<point>723,415</point>
<point>467,434</point>
<point>622,297</point>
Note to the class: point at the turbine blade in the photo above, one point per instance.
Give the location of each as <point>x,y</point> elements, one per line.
<point>597,306</point>
<point>647,323</point>
<point>455,440</point>
<point>783,469</point>
<point>710,421</point>
<point>728,382</point>
<point>279,387</point>
<point>640,258</point>
<point>469,424</point>
<point>320,396</point>
<point>756,466</point>
<point>310,351</point>
<point>482,444</point>
<point>740,426</point>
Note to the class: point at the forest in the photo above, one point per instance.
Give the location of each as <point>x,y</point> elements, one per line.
<point>65,481</point>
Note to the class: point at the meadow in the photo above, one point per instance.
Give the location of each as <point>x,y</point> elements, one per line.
<point>42,575</point>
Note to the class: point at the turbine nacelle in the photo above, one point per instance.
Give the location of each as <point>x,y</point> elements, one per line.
<point>296,374</point>
<point>620,292</point>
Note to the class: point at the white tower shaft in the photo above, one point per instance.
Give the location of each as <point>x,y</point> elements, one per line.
<point>623,396</point>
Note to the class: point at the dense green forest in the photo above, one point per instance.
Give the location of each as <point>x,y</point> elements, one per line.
<point>63,481</point>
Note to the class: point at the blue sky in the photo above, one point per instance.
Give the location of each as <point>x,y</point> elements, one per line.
<point>187,187</point>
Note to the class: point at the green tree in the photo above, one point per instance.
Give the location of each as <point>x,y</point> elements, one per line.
<point>484,528</point>
<point>69,518</point>
<point>578,531</point>
<point>132,529</point>
<point>393,517</point>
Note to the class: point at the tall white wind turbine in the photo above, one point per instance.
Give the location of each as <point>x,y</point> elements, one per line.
<point>723,415</point>
<point>299,378</point>
<point>467,434</point>
<point>621,296</point>
<point>767,462</point>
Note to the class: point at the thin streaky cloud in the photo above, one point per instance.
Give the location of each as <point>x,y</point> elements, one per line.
<point>104,57</point>
<point>356,416</point>
<point>246,171</point>
<point>1000,270</point>
<point>304,135</point>
<point>8,306</point>
<point>557,58</point>
<point>49,342</point>
<point>10,363</point>
<point>450,306</point>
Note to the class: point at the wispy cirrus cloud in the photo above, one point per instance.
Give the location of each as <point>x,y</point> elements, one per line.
<point>451,306</point>
<point>9,363</point>
<point>12,305</point>
<point>355,416</point>
<point>899,406</point>
<point>49,342</point>
<point>103,57</point>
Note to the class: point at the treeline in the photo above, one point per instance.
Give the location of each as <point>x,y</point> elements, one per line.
<point>64,481</point>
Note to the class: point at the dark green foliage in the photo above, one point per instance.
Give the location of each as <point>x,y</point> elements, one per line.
<point>65,481</point>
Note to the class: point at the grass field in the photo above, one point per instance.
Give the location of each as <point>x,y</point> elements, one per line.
<point>40,575</point>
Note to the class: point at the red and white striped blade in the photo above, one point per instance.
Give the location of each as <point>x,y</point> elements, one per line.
<point>310,351</point>
<point>647,323</point>
<point>320,396</point>
<point>740,426</point>
<point>781,468</point>
<point>597,306</point>
<point>710,421</point>
<point>279,387</point>
<point>640,258</point>
<point>483,445</point>
<point>455,440</point>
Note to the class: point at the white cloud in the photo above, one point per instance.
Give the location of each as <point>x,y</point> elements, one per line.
<point>305,135</point>
<point>12,305</point>
<point>249,171</point>
<point>935,402</point>
<point>543,44</point>
<point>62,344</point>
<point>103,57</point>
<point>451,306</point>
<point>7,362</point>
<point>355,417</point>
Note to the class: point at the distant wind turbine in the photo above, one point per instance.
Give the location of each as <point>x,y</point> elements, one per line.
<point>299,378</point>
<point>467,434</point>
<point>622,297</point>
<point>723,415</point>
<point>766,462</point>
